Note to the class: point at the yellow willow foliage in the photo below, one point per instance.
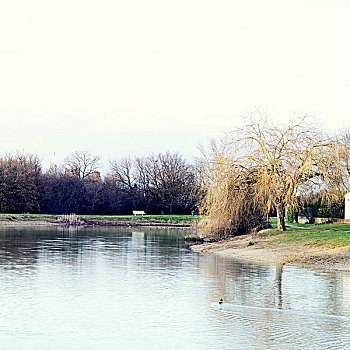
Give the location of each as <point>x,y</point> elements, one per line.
<point>260,167</point>
<point>341,160</point>
<point>230,205</point>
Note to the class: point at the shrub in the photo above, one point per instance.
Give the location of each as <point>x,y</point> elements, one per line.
<point>292,214</point>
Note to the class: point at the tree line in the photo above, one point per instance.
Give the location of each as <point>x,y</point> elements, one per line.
<point>253,171</point>
<point>163,183</point>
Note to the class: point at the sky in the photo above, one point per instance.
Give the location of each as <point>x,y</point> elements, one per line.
<point>127,78</point>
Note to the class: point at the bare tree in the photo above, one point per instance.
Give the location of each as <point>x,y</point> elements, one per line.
<point>162,181</point>
<point>93,189</point>
<point>19,183</point>
<point>143,181</point>
<point>123,171</point>
<point>170,180</point>
<point>81,164</point>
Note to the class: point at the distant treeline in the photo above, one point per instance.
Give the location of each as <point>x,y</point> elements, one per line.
<point>159,184</point>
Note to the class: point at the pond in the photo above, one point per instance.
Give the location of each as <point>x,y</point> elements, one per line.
<point>70,288</point>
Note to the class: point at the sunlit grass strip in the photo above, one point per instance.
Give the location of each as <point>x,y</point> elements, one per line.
<point>326,239</point>
<point>31,216</point>
<point>325,226</point>
<point>142,217</point>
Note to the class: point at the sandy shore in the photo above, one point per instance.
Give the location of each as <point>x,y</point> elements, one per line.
<point>252,248</point>
<point>26,222</point>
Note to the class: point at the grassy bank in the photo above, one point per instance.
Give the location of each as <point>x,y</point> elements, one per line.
<point>319,235</point>
<point>319,245</point>
<point>161,218</point>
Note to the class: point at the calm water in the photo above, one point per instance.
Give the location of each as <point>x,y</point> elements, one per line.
<point>123,289</point>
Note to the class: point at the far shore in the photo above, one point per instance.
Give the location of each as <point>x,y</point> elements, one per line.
<point>325,247</point>
<point>170,221</point>
<point>260,248</point>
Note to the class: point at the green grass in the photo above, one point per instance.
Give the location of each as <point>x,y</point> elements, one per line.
<point>326,239</point>
<point>326,235</point>
<point>29,216</point>
<point>325,226</point>
<point>167,218</point>
<point>273,221</point>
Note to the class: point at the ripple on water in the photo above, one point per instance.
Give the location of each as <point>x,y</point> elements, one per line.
<point>112,288</point>
<point>287,328</point>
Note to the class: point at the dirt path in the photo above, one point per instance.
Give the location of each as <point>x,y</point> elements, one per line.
<point>298,227</point>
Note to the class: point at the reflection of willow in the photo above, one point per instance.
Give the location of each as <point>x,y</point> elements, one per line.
<point>236,282</point>
<point>279,270</point>
<point>333,291</point>
<point>322,293</point>
<point>346,292</point>
<point>254,285</point>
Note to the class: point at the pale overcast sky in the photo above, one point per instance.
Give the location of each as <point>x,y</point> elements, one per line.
<point>131,77</point>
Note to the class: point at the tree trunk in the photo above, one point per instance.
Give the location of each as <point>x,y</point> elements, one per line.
<point>281,226</point>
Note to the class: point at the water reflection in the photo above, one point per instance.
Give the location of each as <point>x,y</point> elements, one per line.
<point>279,270</point>
<point>106,288</point>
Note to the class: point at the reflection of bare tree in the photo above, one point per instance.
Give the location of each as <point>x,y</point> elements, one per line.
<point>157,249</point>
<point>24,246</point>
<point>72,245</point>
<point>69,231</point>
<point>18,248</point>
<point>138,238</point>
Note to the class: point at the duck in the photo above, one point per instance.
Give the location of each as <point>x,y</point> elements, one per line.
<point>221,301</point>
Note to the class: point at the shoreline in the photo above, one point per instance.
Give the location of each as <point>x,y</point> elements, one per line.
<point>17,221</point>
<point>253,248</point>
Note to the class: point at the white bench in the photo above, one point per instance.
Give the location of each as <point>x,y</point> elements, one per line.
<point>138,212</point>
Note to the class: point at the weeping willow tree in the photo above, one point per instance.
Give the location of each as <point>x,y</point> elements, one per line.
<point>230,205</point>
<point>260,167</point>
<point>341,161</point>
